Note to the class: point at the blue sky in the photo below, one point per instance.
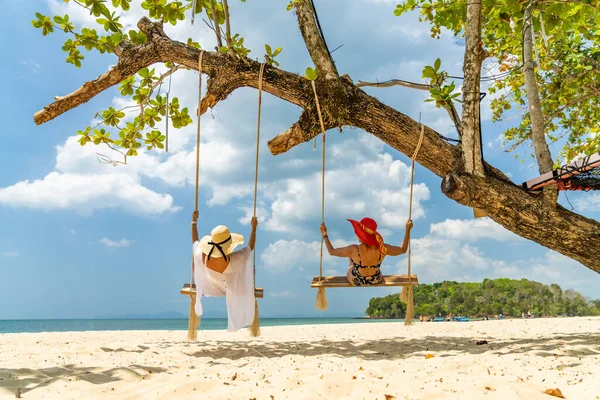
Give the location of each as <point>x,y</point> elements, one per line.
<point>80,239</point>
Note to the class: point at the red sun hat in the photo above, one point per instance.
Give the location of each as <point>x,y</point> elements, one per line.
<point>366,230</point>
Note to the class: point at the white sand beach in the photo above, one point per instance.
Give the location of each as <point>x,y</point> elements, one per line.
<point>521,359</point>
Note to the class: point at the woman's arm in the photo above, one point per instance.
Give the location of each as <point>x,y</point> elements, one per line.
<point>397,250</point>
<point>195,227</point>
<point>252,240</point>
<point>340,252</point>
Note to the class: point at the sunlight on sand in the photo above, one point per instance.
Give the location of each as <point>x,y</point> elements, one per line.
<point>516,359</point>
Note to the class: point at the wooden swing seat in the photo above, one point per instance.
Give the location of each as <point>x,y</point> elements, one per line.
<point>258,292</point>
<point>342,281</point>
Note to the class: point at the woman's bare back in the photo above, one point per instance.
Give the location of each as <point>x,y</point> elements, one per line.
<point>369,256</point>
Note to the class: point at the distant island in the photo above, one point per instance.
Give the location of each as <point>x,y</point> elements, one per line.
<point>503,296</point>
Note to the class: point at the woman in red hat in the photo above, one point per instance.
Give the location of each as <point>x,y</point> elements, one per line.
<point>367,256</point>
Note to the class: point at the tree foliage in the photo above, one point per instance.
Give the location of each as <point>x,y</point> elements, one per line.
<point>146,57</point>
<point>505,296</point>
<point>567,45</point>
<point>143,90</point>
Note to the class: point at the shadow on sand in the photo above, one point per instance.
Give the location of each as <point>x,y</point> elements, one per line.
<point>565,345</point>
<point>28,379</point>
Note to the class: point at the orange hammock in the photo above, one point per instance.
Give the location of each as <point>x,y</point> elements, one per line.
<point>583,174</point>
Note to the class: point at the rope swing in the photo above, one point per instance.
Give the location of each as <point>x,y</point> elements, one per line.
<point>194,320</point>
<point>406,281</point>
<point>406,295</point>
<point>255,327</point>
<point>190,288</point>
<point>321,299</point>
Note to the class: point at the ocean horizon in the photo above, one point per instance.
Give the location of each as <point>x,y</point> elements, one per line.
<point>158,324</point>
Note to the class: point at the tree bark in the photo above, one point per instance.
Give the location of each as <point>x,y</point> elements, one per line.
<point>213,9</point>
<point>343,103</point>
<point>474,56</point>
<point>314,43</point>
<point>228,29</point>
<point>538,135</point>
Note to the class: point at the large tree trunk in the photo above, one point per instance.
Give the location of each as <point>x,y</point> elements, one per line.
<point>538,136</point>
<point>343,103</point>
<point>474,56</point>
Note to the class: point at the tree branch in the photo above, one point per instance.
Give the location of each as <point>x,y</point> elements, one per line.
<point>300,132</point>
<point>471,120</point>
<point>343,103</point>
<point>594,94</point>
<point>395,82</point>
<point>228,29</point>
<point>130,62</point>
<point>225,74</point>
<point>538,135</point>
<point>314,42</point>
<point>451,110</point>
<point>216,22</point>
<point>528,215</point>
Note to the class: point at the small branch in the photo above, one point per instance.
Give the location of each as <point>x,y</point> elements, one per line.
<point>228,29</point>
<point>451,110</point>
<point>395,82</point>
<point>579,2</point>
<point>209,24</point>
<point>156,84</point>
<point>594,94</point>
<point>216,22</point>
<point>314,42</point>
<point>515,145</point>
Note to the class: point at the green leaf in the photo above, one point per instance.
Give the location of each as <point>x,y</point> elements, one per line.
<point>428,72</point>
<point>311,74</point>
<point>44,23</point>
<point>437,64</point>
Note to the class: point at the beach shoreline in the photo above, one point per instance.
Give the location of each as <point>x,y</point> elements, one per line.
<point>495,359</point>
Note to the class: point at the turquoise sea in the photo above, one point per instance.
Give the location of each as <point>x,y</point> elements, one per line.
<point>81,325</point>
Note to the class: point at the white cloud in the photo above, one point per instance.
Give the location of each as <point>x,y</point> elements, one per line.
<point>472,230</point>
<point>80,182</point>
<point>443,255</point>
<point>591,202</point>
<point>332,272</point>
<point>34,66</point>
<point>261,214</point>
<point>285,294</point>
<point>284,255</point>
<point>85,193</point>
<point>114,244</point>
<point>10,254</point>
<point>437,259</point>
<point>409,32</point>
<point>372,184</point>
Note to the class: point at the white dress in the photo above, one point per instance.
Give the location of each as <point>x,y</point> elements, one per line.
<point>236,283</point>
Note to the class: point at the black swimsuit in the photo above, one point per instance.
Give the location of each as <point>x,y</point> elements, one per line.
<point>361,280</point>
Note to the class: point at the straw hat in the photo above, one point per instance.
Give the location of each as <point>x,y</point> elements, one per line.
<point>220,242</point>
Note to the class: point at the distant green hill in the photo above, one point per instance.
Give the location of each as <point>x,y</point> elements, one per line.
<point>509,297</point>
